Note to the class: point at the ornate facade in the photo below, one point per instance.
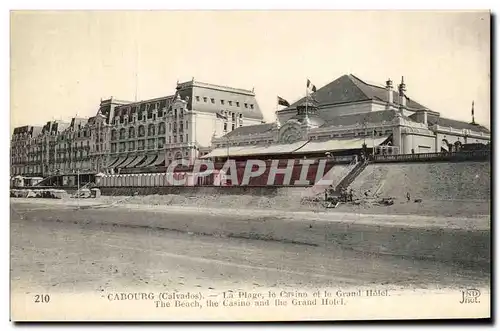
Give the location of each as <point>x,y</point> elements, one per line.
<point>132,136</point>
<point>346,115</point>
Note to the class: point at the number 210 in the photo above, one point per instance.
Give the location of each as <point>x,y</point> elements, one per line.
<point>42,298</point>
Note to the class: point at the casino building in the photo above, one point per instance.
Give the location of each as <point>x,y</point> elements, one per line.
<point>346,116</point>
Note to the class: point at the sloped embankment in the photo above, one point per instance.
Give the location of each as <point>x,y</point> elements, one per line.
<point>427,181</point>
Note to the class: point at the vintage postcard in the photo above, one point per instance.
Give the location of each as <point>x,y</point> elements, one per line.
<point>250,165</point>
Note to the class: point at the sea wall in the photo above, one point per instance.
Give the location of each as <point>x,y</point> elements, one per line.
<point>427,180</point>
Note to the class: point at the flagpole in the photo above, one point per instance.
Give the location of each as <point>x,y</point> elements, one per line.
<point>307,95</point>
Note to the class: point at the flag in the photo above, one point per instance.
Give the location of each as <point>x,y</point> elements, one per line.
<point>283,102</point>
<point>220,116</point>
<point>310,86</point>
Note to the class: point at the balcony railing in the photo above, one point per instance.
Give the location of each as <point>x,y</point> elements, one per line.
<point>445,156</point>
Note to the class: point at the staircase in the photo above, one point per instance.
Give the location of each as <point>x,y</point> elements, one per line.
<point>45,181</point>
<point>351,176</point>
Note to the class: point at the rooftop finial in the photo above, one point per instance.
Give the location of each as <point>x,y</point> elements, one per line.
<point>472,112</point>
<point>402,86</point>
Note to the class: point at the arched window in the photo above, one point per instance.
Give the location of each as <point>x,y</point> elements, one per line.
<point>113,135</point>
<point>141,131</point>
<point>122,133</point>
<point>131,132</point>
<point>151,130</point>
<point>161,128</point>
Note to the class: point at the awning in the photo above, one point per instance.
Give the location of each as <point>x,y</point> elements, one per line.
<point>127,161</point>
<point>159,160</point>
<point>136,161</point>
<point>113,161</point>
<point>340,144</point>
<point>255,150</point>
<point>120,161</point>
<point>150,159</point>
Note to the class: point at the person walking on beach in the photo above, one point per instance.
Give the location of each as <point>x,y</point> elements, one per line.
<point>408,197</point>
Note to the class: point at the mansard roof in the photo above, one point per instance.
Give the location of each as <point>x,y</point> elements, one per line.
<point>250,129</point>
<point>447,122</point>
<point>351,89</point>
<point>371,117</point>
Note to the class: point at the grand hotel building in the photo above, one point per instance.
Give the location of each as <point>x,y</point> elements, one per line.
<point>203,120</point>
<point>132,136</point>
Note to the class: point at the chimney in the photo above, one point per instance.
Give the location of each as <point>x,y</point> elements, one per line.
<point>402,90</point>
<point>390,94</point>
<point>425,116</point>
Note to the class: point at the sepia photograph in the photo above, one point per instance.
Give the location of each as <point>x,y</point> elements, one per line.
<point>250,165</point>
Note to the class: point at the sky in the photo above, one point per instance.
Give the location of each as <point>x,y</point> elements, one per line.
<point>63,63</point>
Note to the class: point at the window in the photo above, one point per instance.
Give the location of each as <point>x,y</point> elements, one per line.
<point>181,126</point>
<point>131,145</point>
<point>151,130</point>
<point>142,131</point>
<point>161,142</point>
<point>122,133</point>
<point>212,100</point>
<point>241,116</point>
<point>187,138</point>
<point>225,126</point>
<point>197,98</point>
<point>186,125</point>
<point>169,139</point>
<point>237,104</point>
<point>169,126</point>
<point>222,102</point>
<point>175,112</point>
<point>157,105</point>
<point>205,99</point>
<point>131,132</point>
<point>175,139</point>
<point>246,105</point>
<point>181,138</point>
<point>233,116</point>
<point>161,128</point>
<point>232,127</point>
<point>230,103</point>
<point>251,106</point>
